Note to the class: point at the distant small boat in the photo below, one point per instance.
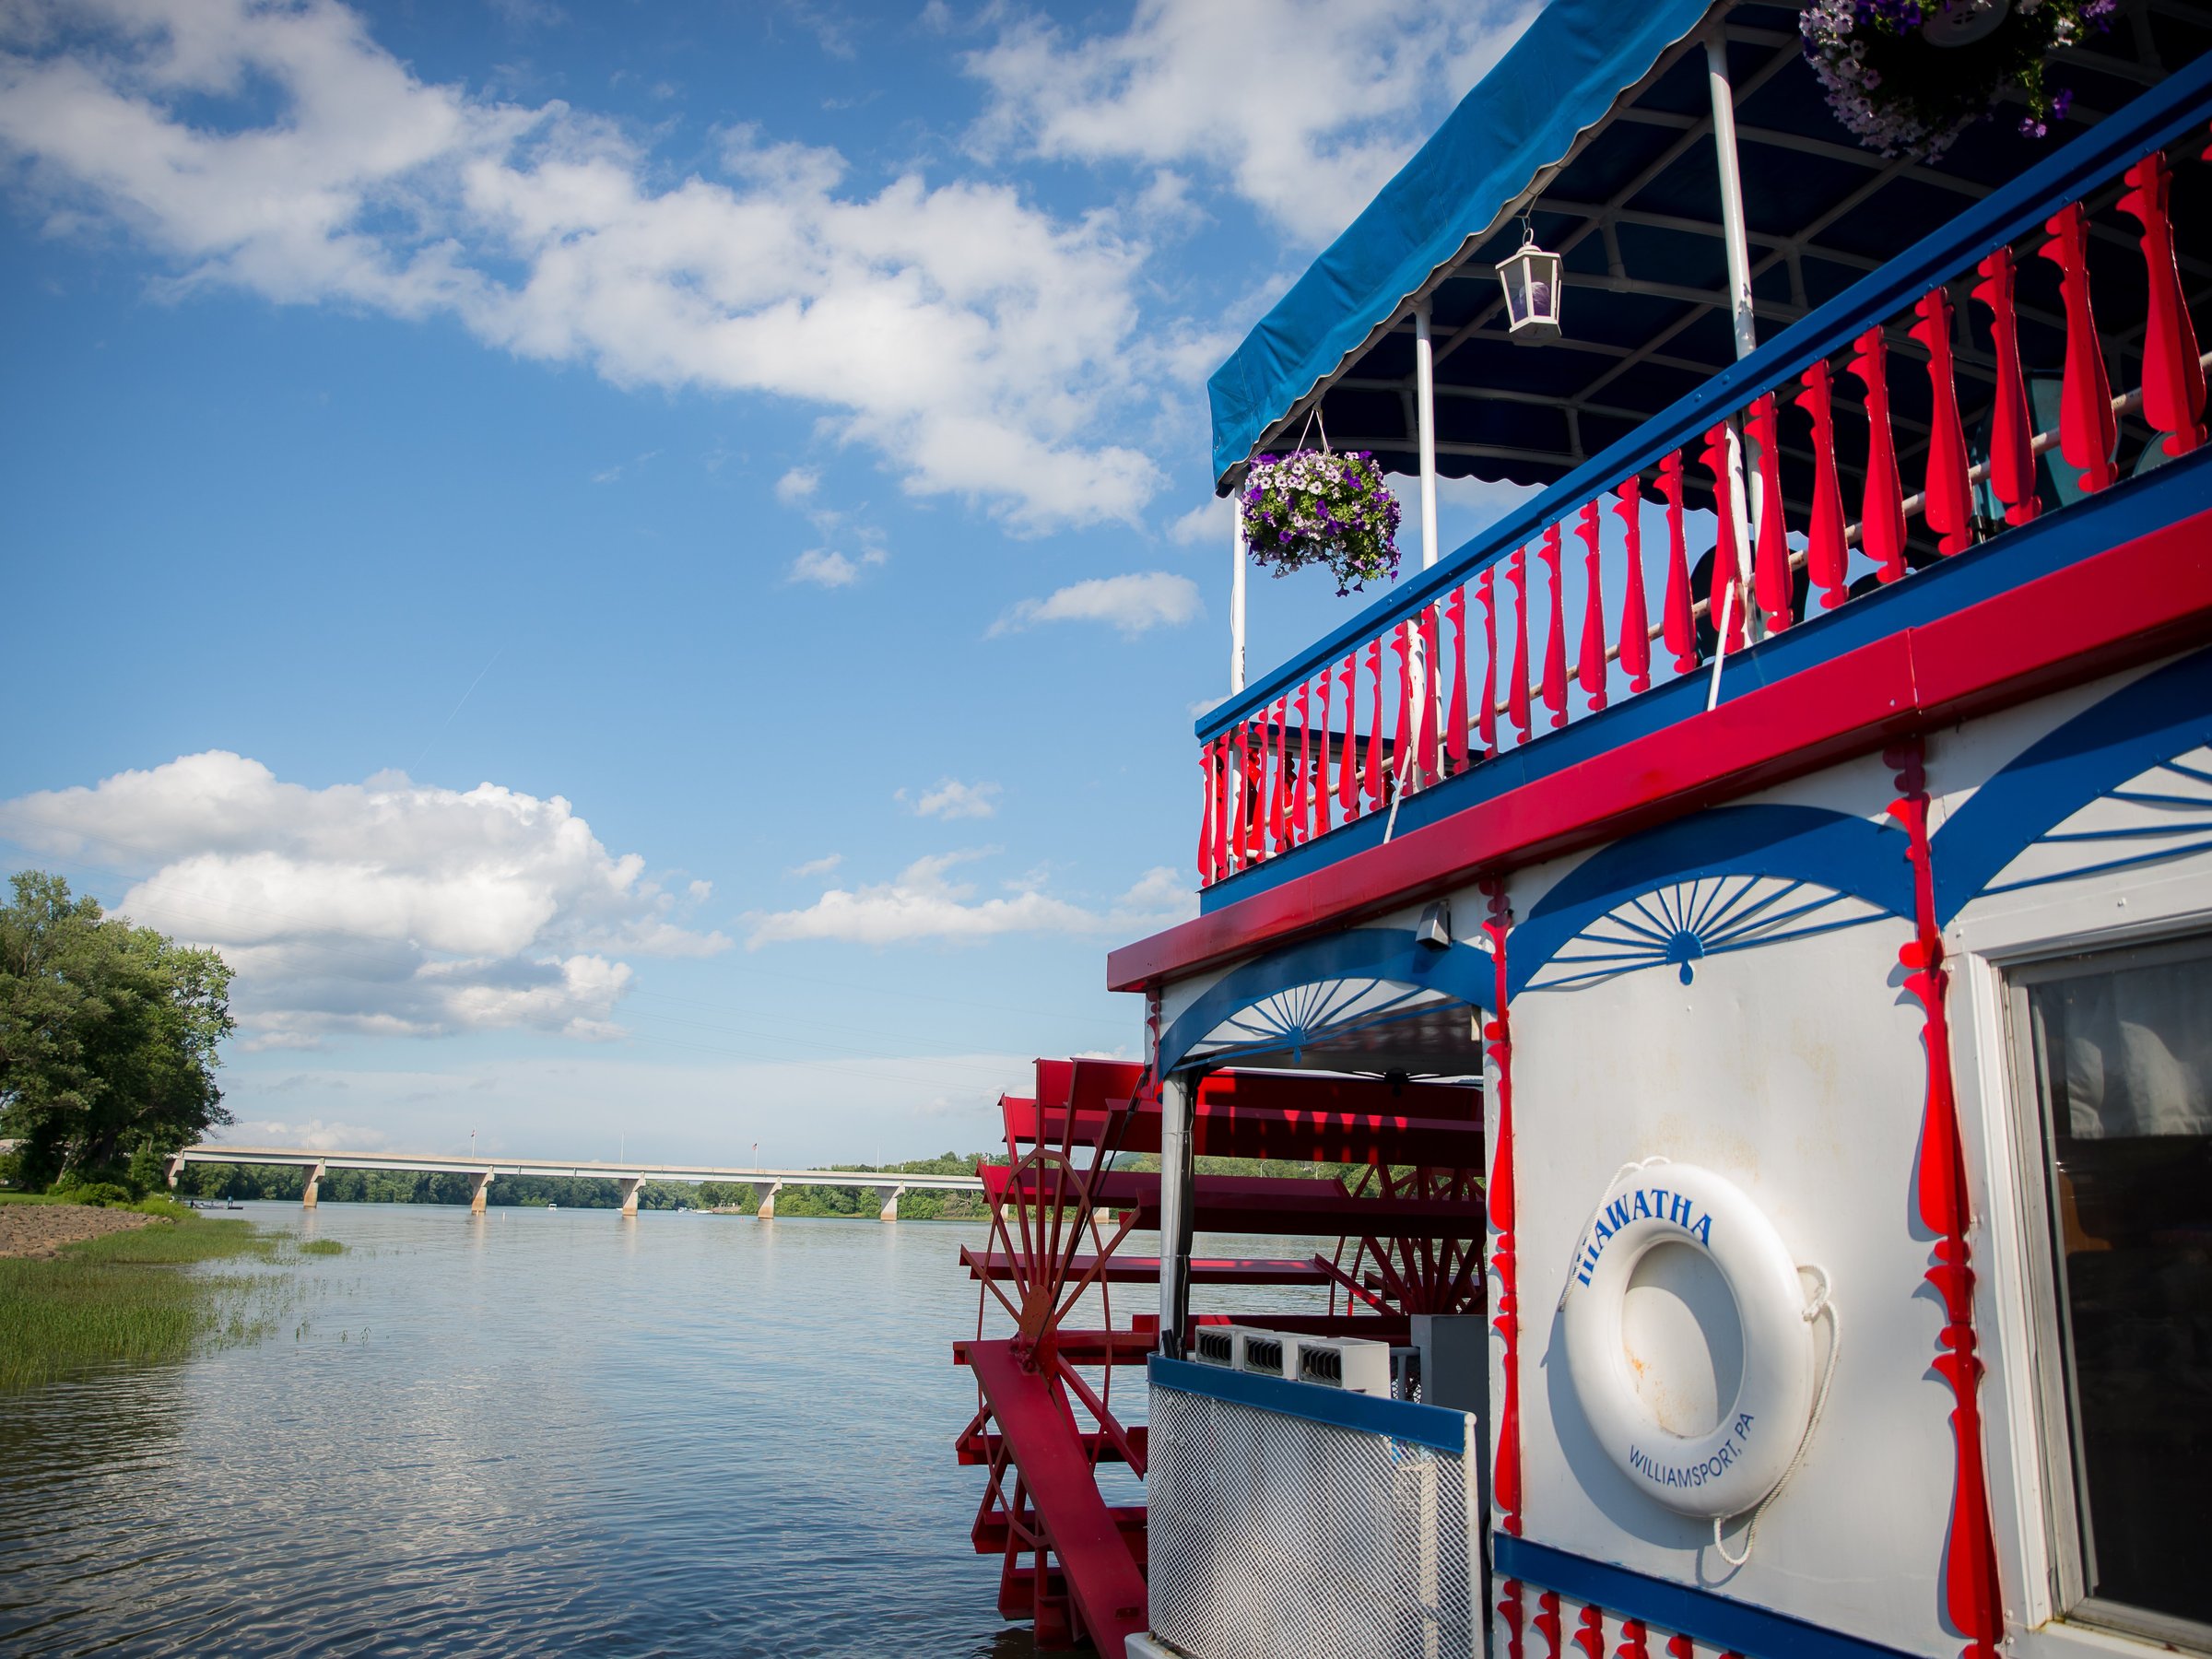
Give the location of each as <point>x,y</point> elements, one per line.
<point>552,1207</point>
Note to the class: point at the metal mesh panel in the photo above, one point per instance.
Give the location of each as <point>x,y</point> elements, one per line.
<point>1271,1534</point>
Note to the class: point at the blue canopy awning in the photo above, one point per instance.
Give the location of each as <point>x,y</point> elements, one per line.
<point>1599,124</point>
<point>1564,74</point>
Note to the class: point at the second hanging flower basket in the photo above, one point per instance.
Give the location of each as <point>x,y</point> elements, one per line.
<point>1322,507</point>
<point>1906,77</point>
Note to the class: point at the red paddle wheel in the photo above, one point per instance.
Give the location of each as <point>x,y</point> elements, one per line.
<point>1044,1423</point>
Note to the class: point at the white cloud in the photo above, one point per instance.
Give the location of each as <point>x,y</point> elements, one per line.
<point>797,485</point>
<point>1132,603</point>
<point>824,568</point>
<point>388,907</point>
<point>953,799</point>
<point>818,867</point>
<point>315,1133</point>
<point>1304,107</point>
<point>972,340</point>
<point>922,904</point>
<point>1206,525</point>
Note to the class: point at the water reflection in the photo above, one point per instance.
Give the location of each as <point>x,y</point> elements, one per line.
<point>534,1432</point>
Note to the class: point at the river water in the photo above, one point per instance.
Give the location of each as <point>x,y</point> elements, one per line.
<point>545,1432</point>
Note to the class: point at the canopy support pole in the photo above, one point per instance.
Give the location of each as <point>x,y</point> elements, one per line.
<point>1236,593</point>
<point>1424,363</point>
<point>1732,191</point>
<point>1739,305</point>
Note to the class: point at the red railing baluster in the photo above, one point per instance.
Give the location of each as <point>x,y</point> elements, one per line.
<point>1590,661</point>
<point>1554,636</point>
<point>1677,622</point>
<point>1279,790</point>
<point>1301,827</point>
<point>1323,783</point>
<point>1486,590</point>
<point>1456,712</point>
<point>1206,815</point>
<point>1348,762</point>
<point>1723,596</point>
<point>2174,379</point>
<point>1516,691</point>
<point>1240,750</point>
<point>1825,553</point>
<point>1432,685</point>
<point>1882,513</point>
<point>1946,503</point>
<point>1771,582</point>
<point>2086,432</point>
<point>1405,644</point>
<point>1635,625</point>
<point>1221,805</point>
<point>1374,730</point>
<point>2011,434</point>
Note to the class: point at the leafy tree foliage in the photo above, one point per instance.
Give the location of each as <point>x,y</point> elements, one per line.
<point>109,1035</point>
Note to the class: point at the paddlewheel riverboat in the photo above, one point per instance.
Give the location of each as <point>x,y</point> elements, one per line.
<point>1745,918</point>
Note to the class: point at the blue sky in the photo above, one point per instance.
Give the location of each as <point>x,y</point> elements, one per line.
<point>644,571</point>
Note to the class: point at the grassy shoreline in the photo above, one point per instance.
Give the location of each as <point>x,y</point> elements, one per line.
<point>128,1298</point>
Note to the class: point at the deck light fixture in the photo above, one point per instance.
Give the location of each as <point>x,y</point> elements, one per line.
<point>1531,279</point>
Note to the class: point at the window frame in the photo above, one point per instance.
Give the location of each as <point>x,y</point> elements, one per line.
<point>2069,1527</point>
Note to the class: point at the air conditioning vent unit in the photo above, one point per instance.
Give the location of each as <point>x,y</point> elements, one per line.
<point>1357,1364</point>
<point>1262,1354</point>
<point>1217,1345</point>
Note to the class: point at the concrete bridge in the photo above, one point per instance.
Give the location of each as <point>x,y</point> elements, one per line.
<point>484,1171</point>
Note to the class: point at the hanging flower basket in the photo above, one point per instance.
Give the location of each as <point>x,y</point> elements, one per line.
<point>1906,77</point>
<point>1326,508</point>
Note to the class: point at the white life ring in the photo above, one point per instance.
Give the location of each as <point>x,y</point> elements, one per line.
<point>1746,1454</point>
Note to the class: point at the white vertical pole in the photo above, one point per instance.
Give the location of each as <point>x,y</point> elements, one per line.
<point>1732,190</point>
<point>1750,501</point>
<point>1177,1100</point>
<point>1236,595</point>
<point>1424,369</point>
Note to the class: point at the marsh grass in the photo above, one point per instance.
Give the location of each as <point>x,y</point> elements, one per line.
<point>130,1298</point>
<point>322,1247</point>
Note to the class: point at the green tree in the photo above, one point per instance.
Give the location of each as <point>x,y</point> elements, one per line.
<point>109,1035</point>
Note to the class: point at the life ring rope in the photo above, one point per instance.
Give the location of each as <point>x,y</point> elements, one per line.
<point>1821,1303</point>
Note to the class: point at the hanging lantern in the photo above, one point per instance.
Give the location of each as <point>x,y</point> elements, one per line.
<point>1531,279</point>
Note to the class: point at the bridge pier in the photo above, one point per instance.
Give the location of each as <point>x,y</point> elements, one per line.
<point>629,1194</point>
<point>475,1202</point>
<point>890,1203</point>
<point>171,1167</point>
<point>768,1204</point>
<point>314,1177</point>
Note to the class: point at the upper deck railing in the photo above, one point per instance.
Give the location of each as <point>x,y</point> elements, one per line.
<point>1423,686</point>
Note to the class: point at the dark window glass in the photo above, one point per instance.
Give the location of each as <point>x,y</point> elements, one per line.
<point>2123,1056</point>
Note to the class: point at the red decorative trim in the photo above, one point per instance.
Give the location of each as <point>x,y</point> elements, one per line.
<point>2130,604</point>
<point>1590,661</point>
<point>1505,1464</point>
<point>1826,555</point>
<point>1680,1647</point>
<point>1547,1622</point>
<point>1590,1636</point>
<point>1633,1640</point>
<point>1972,1600</point>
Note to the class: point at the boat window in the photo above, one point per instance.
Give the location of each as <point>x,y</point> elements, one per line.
<point>2119,1049</point>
